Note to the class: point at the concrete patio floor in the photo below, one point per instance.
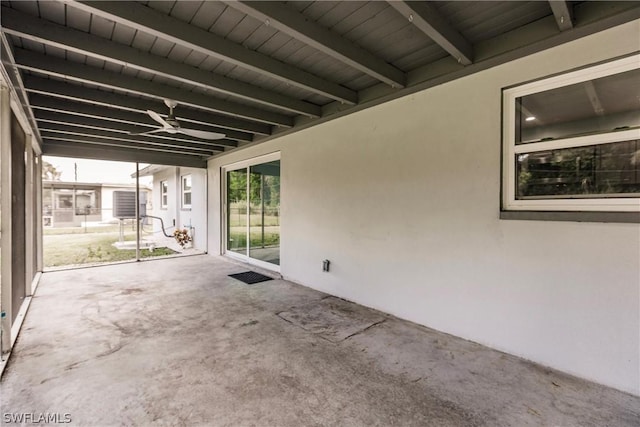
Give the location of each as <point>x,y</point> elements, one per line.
<point>177,342</point>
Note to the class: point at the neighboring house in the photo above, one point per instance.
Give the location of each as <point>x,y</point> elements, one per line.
<point>180,200</point>
<point>69,204</point>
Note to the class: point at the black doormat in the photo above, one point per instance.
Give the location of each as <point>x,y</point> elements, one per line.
<point>250,277</point>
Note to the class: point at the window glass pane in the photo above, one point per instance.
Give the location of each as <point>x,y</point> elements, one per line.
<point>264,212</point>
<point>47,202</point>
<point>237,211</point>
<point>601,105</point>
<point>587,172</point>
<point>164,190</point>
<point>87,202</point>
<point>186,191</point>
<point>63,198</point>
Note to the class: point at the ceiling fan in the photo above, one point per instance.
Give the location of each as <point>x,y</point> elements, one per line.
<point>172,126</point>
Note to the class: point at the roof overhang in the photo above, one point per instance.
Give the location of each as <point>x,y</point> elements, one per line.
<point>86,72</point>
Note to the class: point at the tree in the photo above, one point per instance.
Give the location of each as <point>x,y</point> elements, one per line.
<point>49,172</point>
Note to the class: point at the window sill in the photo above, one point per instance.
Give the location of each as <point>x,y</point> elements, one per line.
<point>622,217</point>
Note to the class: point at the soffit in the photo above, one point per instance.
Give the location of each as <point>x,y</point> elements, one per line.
<point>254,70</point>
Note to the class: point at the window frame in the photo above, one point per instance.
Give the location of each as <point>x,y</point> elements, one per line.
<point>183,192</point>
<point>510,149</point>
<point>164,194</point>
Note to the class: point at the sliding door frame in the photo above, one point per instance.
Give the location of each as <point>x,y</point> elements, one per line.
<point>224,170</point>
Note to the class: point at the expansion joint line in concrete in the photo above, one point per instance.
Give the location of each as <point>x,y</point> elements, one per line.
<point>365,329</point>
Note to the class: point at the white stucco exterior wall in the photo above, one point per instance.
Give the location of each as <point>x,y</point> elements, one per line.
<point>403,198</point>
<point>196,216</point>
<point>168,213</point>
<point>174,213</point>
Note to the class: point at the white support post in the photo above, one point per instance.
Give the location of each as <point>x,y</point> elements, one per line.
<point>137,211</point>
<point>178,209</point>
<point>205,235</point>
<point>30,193</point>
<point>5,203</point>
<point>39,231</point>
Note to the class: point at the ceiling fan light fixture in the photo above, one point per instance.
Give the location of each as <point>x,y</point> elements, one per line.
<point>171,103</point>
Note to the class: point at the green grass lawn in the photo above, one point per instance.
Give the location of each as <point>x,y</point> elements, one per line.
<point>238,235</point>
<point>88,248</point>
<point>111,228</point>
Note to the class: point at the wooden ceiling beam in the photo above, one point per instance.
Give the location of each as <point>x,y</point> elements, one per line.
<point>151,21</point>
<point>295,24</point>
<point>427,19</point>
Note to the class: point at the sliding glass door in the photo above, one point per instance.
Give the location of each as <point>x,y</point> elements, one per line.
<point>237,211</point>
<point>253,210</point>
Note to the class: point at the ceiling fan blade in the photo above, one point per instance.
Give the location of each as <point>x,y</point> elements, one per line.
<point>148,132</point>
<point>201,133</point>
<point>155,116</point>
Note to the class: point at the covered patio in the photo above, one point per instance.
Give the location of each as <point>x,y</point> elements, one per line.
<point>178,342</point>
<point>471,167</point>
